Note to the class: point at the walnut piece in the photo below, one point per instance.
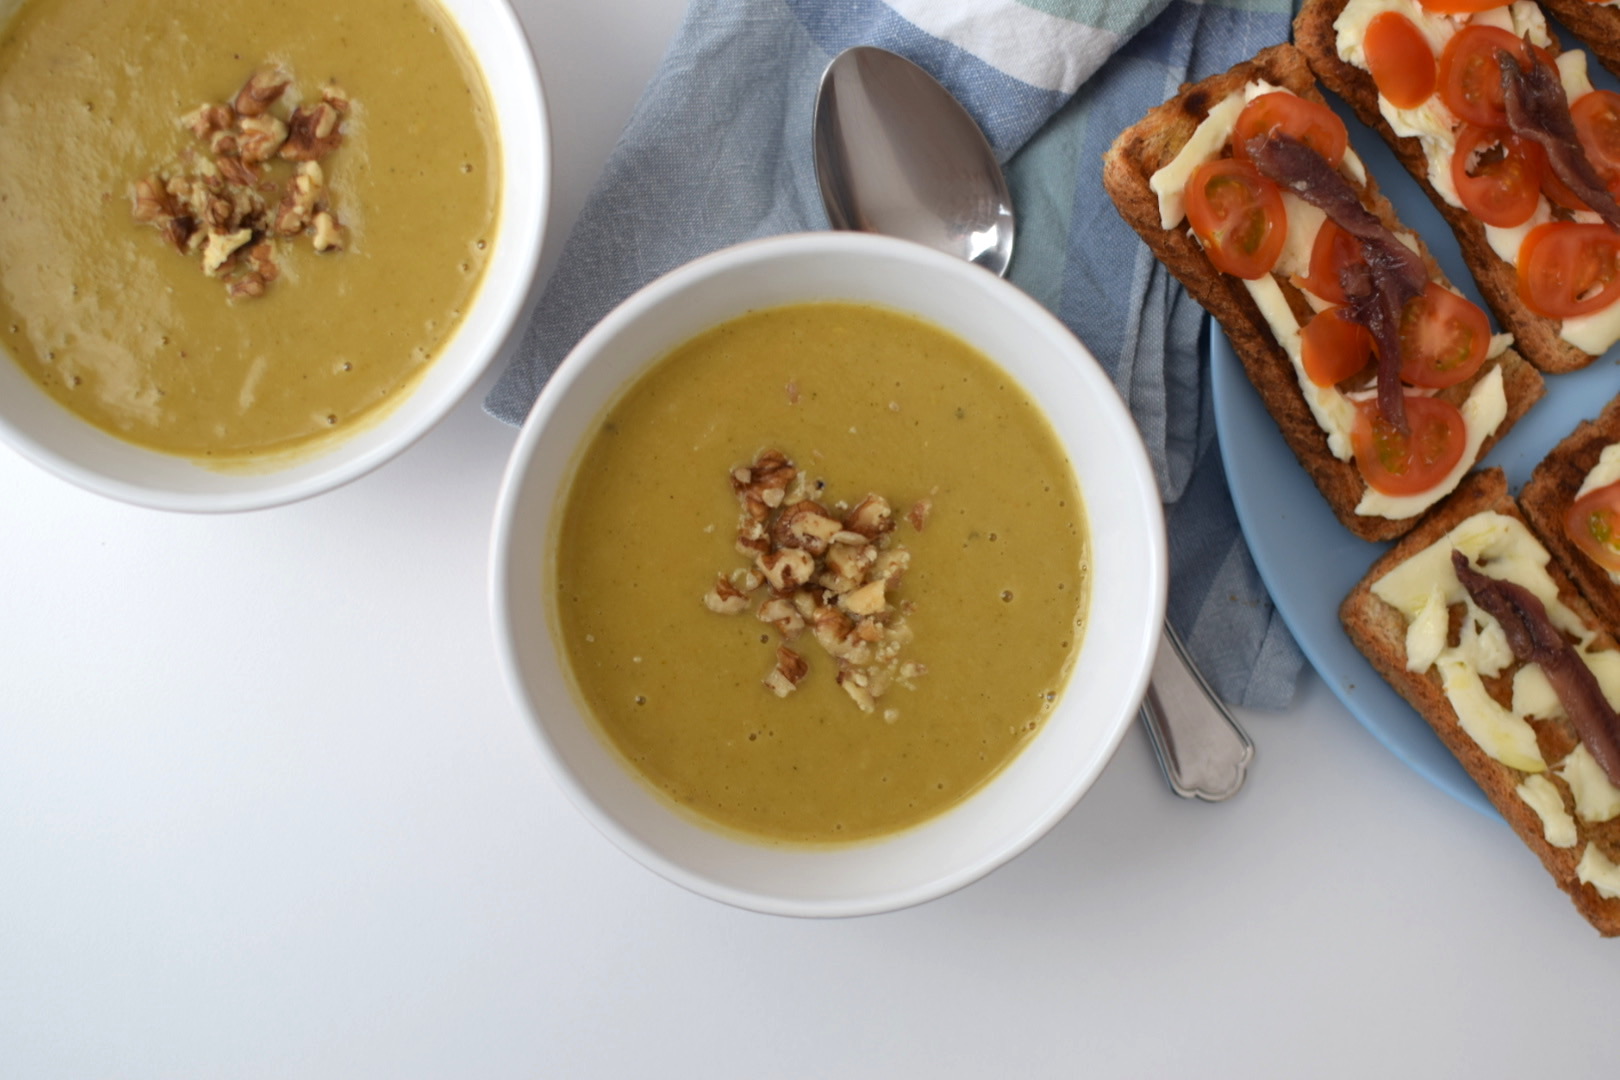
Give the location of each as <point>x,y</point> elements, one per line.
<point>263,88</point>
<point>725,598</point>
<point>261,137</point>
<point>787,568</point>
<point>204,120</point>
<point>312,132</point>
<point>871,517</point>
<point>153,201</point>
<point>789,671</point>
<point>219,248</point>
<point>328,234</point>
<point>805,525</point>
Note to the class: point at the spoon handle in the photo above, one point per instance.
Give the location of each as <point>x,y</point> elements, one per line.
<point>1204,753</point>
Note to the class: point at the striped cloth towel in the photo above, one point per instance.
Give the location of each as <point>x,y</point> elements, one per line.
<point>718,151</point>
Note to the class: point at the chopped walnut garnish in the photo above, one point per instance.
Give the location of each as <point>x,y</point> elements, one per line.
<point>891,565</point>
<point>153,201</point>
<point>831,576</point>
<point>780,613</point>
<point>850,562</point>
<point>298,205</point>
<point>919,513</point>
<point>787,568</point>
<point>234,184</point>
<point>805,525</point>
<point>328,234</point>
<point>335,96</point>
<point>262,257</point>
<point>204,120</point>
<point>854,684</point>
<point>725,598</point>
<point>262,90</point>
<point>312,132</point>
<point>219,248</point>
<point>790,670</point>
<point>760,488</point>
<point>248,285</point>
<point>866,600</point>
<point>871,517</point>
<point>751,538</point>
<point>261,137</point>
<point>181,232</point>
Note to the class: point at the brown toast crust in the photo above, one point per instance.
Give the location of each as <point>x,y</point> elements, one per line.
<point>1547,498</point>
<point>1379,631</point>
<point>1597,25</point>
<point>1139,152</point>
<point>1534,336</point>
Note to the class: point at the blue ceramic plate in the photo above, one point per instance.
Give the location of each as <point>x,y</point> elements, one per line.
<point>1308,560</point>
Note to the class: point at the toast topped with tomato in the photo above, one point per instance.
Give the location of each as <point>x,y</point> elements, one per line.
<point>1475,623</point>
<point>1386,383</point>
<point>1573,500</point>
<point>1505,134</point>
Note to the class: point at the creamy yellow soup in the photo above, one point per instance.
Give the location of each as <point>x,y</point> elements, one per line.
<point>127,332</point>
<point>866,401</point>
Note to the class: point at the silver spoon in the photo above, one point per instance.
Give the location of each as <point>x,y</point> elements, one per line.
<point>897,154</point>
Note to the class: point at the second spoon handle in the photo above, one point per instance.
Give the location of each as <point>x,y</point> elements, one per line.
<point>1204,753</point>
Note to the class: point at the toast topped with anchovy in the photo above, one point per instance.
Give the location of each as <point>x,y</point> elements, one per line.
<point>1473,621</point>
<point>1244,187</point>
<point>1504,139</point>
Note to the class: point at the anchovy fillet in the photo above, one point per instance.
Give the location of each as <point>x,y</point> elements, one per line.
<point>1537,110</point>
<point>1535,640</point>
<point>1378,289</point>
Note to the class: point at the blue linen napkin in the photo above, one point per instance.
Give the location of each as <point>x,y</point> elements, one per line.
<point>718,151</point>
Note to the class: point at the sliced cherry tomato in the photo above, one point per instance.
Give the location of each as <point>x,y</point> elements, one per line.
<point>1593,525</point>
<point>1444,338</point>
<point>1333,348</point>
<point>1597,124</point>
<point>1402,63</point>
<point>1567,268</point>
<point>1461,7</point>
<point>1333,250</point>
<point>1239,216</point>
<point>1313,124</point>
<point>1471,78</point>
<point>1497,175</point>
<point>1405,464</point>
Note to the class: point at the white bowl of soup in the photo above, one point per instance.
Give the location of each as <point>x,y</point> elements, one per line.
<point>259,250</point>
<point>829,570</point>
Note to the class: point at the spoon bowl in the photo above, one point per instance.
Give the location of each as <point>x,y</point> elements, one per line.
<point>897,154</point>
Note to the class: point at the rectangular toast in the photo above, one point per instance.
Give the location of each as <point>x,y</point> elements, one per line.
<point>1146,147</point>
<point>1538,338</point>
<point>1381,632</point>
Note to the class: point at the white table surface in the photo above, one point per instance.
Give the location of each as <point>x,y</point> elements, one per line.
<point>266,810</point>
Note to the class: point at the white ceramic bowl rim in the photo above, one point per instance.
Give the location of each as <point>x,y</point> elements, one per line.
<point>49,435</point>
<point>1124,517</point>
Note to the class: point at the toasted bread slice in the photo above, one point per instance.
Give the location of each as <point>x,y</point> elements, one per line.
<point>1144,148</point>
<point>1596,25</point>
<point>1535,336</point>
<point>1546,499</point>
<point>1380,632</point>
